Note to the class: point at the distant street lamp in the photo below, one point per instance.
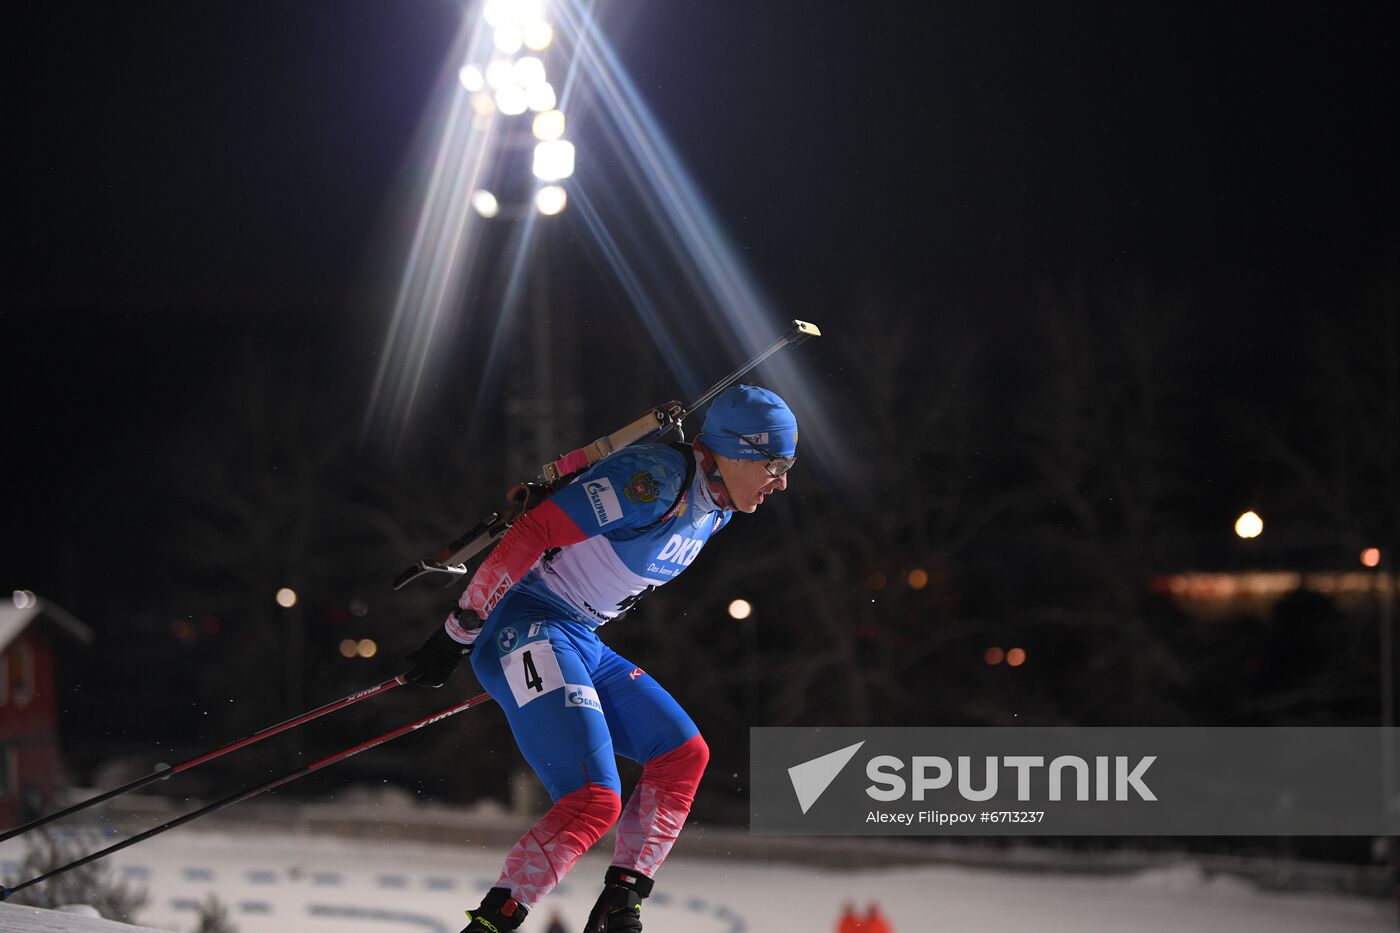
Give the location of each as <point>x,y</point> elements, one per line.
<point>1249,525</point>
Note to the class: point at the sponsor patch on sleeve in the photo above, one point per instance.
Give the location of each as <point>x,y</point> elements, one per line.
<point>603,500</point>
<point>581,696</point>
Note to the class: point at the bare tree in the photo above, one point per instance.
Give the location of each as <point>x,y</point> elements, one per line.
<point>1104,431</point>
<point>214,917</point>
<point>92,884</point>
<point>1340,487</point>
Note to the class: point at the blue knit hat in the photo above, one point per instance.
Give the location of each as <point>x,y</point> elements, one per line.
<point>748,411</point>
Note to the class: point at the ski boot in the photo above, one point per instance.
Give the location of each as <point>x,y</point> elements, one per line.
<point>619,907</point>
<point>498,913</point>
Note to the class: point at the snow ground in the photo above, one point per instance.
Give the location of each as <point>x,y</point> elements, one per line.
<point>288,883</point>
<point>17,919</point>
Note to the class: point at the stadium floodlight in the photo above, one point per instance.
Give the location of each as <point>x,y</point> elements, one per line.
<point>495,12</point>
<point>554,160</point>
<point>471,78</point>
<point>542,97</point>
<point>528,71</point>
<point>548,125</point>
<point>538,35</point>
<point>500,73</point>
<point>483,104</point>
<point>521,12</point>
<point>511,100</point>
<point>485,203</point>
<point>508,38</point>
<point>550,200</point>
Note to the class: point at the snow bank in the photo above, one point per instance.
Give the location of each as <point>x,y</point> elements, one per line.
<point>16,919</point>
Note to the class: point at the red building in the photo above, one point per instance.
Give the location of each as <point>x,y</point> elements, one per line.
<point>29,758</point>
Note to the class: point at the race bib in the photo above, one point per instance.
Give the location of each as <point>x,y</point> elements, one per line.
<point>532,671</point>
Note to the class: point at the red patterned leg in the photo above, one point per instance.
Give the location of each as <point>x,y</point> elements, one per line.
<point>544,855</point>
<point>659,804</point>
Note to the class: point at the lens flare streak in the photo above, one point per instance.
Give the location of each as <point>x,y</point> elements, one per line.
<point>733,312</point>
<point>674,262</point>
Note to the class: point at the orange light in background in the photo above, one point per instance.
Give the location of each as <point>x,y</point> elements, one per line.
<point>367,648</point>
<point>740,609</point>
<point>876,581</point>
<point>1016,657</point>
<point>918,578</point>
<point>286,597</point>
<point>182,629</point>
<point>993,655</point>
<point>1371,557</point>
<point>349,647</point>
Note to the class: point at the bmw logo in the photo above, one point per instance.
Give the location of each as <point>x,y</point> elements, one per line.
<point>507,638</point>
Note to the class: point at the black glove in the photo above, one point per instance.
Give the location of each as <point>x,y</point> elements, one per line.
<point>435,661</point>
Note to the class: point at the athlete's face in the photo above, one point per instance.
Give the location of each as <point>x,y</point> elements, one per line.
<point>748,482</point>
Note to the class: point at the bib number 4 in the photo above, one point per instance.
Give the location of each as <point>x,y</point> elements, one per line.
<point>532,671</point>
<point>533,680</point>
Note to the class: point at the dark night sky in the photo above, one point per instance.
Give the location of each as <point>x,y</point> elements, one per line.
<point>225,156</point>
<point>190,180</point>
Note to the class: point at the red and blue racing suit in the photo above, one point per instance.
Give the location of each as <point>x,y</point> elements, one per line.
<point>564,569</point>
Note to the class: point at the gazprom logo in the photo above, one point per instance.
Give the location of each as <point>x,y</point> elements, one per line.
<point>582,695</point>
<point>603,500</point>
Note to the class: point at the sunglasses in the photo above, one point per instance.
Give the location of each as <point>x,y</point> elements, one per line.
<point>776,465</point>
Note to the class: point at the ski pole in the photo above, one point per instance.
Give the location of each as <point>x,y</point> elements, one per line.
<point>6,893</point>
<point>162,773</point>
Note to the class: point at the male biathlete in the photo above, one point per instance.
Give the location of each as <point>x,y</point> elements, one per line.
<point>633,521</point>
